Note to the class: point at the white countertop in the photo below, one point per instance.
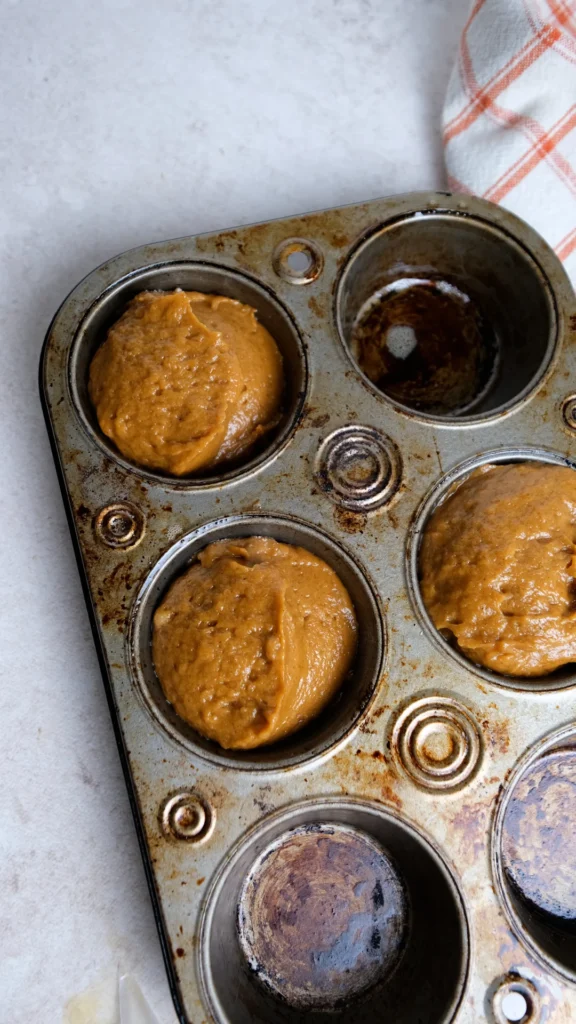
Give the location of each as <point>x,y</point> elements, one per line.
<point>125,123</point>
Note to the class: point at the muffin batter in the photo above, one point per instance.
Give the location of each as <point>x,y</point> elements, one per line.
<point>498,567</point>
<point>253,641</point>
<point>184,381</point>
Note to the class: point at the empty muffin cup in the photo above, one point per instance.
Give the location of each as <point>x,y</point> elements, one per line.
<point>209,280</point>
<point>447,315</point>
<point>333,907</point>
<point>534,852</point>
<point>322,916</point>
<point>345,709</point>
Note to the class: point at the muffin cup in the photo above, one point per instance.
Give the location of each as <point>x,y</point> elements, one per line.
<point>428,980</point>
<point>534,851</point>
<point>487,276</point>
<point>344,712</point>
<point>201,278</point>
<point>560,679</point>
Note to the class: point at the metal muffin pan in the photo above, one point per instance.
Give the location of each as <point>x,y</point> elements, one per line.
<point>421,749</point>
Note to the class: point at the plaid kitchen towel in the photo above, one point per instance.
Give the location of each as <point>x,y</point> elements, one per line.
<point>510,114</point>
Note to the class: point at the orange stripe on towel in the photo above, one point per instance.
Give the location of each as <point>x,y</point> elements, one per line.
<point>542,147</point>
<point>483,98</point>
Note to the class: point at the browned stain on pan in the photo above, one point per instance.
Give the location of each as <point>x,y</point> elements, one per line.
<point>350,522</point>
<point>255,243</point>
<point>321,420</point>
<point>368,774</point>
<point>497,735</point>
<point>322,916</point>
<point>470,824</point>
<point>316,306</point>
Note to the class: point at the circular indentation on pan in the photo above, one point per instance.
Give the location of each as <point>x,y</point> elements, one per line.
<point>120,525</point>
<point>358,467</point>
<point>322,916</point>
<point>534,851</point>
<point>344,712</point>
<point>437,743</point>
<point>559,679</point>
<point>429,979</point>
<point>516,999</point>
<point>187,816</point>
<point>201,277</point>
<point>448,316</point>
<point>298,261</point>
<point>569,411</point>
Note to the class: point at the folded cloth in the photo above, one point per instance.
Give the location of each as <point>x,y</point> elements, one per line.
<point>510,115</point>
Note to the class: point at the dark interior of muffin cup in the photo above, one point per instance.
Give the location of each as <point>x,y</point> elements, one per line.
<point>201,277</point>
<point>548,823</point>
<point>556,937</point>
<point>429,979</point>
<point>346,708</point>
<point>496,274</point>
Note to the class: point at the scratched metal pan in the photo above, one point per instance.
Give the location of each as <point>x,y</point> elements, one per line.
<point>443,793</point>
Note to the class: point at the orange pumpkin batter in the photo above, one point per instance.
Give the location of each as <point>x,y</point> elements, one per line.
<point>498,567</point>
<point>253,640</point>
<point>184,381</point>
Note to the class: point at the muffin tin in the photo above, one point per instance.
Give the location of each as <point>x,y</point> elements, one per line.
<point>424,756</point>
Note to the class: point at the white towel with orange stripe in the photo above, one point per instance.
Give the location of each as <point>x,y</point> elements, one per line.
<point>510,114</point>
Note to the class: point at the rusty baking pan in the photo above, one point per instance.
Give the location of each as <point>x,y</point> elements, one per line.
<point>410,854</point>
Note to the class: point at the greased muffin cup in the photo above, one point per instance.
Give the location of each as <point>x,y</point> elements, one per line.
<point>212,280</point>
<point>422,803</point>
<point>341,716</point>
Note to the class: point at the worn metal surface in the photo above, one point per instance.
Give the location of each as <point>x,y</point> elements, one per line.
<point>348,768</point>
<point>322,916</point>
<point>539,837</point>
<point>428,979</point>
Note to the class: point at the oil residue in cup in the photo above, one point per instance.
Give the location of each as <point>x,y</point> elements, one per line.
<point>425,343</point>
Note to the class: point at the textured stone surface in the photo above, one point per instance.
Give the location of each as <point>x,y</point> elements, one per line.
<point>125,123</point>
